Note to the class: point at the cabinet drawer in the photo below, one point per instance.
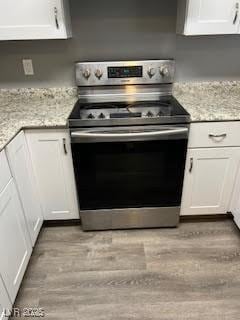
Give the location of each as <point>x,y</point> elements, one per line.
<point>214,134</point>
<point>5,173</point>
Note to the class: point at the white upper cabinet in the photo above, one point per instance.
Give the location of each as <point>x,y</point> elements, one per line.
<point>34,19</point>
<point>202,17</point>
<point>21,167</point>
<point>53,168</point>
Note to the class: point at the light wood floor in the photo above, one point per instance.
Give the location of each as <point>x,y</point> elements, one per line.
<point>188,273</point>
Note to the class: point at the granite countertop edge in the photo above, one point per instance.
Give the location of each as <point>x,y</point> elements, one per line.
<point>29,109</point>
<point>3,145</point>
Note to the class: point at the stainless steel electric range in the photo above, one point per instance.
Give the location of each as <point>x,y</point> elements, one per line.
<point>129,140</point>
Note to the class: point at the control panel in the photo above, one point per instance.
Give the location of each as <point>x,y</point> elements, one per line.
<point>125,72</point>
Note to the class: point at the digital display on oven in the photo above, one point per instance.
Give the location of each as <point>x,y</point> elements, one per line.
<point>125,72</point>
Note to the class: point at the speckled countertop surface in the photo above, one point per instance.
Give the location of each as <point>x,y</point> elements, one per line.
<point>33,108</point>
<point>50,108</point>
<point>210,101</point>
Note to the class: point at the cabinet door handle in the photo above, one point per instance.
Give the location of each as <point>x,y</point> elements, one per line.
<point>56,17</point>
<point>64,146</point>
<point>223,135</point>
<point>191,165</point>
<point>236,13</point>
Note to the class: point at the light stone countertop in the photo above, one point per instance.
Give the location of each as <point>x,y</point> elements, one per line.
<point>210,101</point>
<point>33,108</point>
<point>50,108</point>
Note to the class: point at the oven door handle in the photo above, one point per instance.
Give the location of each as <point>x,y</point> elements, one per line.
<point>83,136</point>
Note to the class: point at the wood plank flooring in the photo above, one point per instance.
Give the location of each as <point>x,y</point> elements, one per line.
<point>192,272</point>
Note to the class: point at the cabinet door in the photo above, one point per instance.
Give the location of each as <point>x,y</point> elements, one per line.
<point>209,180</point>
<point>5,173</point>
<point>21,168</point>
<point>5,303</point>
<point>52,163</point>
<point>212,17</point>
<point>235,203</point>
<point>15,246</point>
<point>38,19</point>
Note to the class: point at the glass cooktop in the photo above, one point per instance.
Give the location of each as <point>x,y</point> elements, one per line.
<point>167,108</point>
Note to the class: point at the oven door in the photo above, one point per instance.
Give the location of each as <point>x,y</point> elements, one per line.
<point>128,168</point>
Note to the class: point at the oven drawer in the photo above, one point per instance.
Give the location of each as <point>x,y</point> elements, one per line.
<point>214,134</point>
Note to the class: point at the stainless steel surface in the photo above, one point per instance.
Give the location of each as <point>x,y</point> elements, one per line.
<point>129,134</point>
<point>129,93</point>
<point>130,218</point>
<point>191,165</point>
<point>147,78</point>
<point>95,87</point>
<point>159,117</point>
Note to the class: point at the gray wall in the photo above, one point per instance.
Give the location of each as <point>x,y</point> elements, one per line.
<point>115,30</point>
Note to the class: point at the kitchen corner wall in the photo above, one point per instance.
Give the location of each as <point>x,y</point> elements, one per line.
<point>120,30</point>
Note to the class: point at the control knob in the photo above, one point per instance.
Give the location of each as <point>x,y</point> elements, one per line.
<point>164,71</point>
<point>151,72</point>
<point>98,73</point>
<point>101,116</point>
<point>149,114</point>
<point>86,73</point>
<point>90,116</point>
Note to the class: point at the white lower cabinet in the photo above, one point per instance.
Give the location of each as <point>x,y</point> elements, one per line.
<point>5,173</point>
<point>209,180</point>
<point>15,245</point>
<point>22,171</point>
<point>5,303</point>
<point>235,203</point>
<point>51,156</point>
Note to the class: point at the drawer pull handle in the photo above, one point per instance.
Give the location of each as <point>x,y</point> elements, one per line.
<point>191,165</point>
<point>64,146</point>
<point>56,17</point>
<point>223,135</point>
<point>236,13</point>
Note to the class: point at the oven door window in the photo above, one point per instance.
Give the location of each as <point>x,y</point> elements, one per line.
<point>129,174</point>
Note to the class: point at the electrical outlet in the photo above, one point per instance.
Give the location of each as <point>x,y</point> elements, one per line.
<point>28,67</point>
